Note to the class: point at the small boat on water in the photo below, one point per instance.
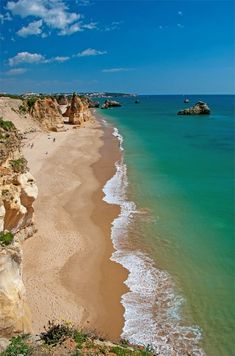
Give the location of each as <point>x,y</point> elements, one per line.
<point>186,100</point>
<point>137,102</point>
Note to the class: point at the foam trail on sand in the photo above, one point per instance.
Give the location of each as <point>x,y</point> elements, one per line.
<point>152,308</point>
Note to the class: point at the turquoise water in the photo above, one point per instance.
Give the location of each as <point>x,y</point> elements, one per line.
<point>181,169</point>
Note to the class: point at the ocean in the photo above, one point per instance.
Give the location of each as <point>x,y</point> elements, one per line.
<point>175,233</point>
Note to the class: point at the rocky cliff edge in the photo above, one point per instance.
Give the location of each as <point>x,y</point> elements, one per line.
<point>18,191</point>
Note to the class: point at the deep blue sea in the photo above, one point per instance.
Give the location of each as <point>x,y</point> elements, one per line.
<point>178,173</point>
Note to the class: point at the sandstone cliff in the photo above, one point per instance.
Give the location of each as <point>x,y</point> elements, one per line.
<point>78,111</point>
<point>47,112</point>
<point>17,194</point>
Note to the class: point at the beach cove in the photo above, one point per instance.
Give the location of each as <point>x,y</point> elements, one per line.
<point>94,269</point>
<point>110,247</point>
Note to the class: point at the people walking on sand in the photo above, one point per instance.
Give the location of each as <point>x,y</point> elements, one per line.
<point>54,139</point>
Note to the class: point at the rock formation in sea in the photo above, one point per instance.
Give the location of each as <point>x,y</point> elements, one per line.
<point>93,104</point>
<point>18,191</point>
<point>199,108</point>
<point>78,111</point>
<point>110,103</point>
<point>47,112</point>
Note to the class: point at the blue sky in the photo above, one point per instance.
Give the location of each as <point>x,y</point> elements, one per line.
<point>146,47</point>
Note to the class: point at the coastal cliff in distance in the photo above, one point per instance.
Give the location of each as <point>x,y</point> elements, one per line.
<point>18,191</point>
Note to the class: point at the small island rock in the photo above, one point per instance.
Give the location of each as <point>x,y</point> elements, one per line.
<point>110,103</point>
<point>200,108</point>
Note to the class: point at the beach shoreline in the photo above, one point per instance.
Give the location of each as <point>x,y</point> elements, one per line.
<point>68,274</point>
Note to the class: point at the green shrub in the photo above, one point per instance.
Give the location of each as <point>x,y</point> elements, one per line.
<point>6,238</point>
<point>19,165</point>
<point>77,353</point>
<point>79,338</point>
<point>56,333</point>
<point>17,347</point>
<point>12,96</point>
<point>121,351</point>
<point>31,101</point>
<point>146,352</point>
<point>6,125</point>
<point>23,109</point>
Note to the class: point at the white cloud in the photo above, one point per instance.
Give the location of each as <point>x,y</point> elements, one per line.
<point>90,26</point>
<point>26,57</point>
<point>44,35</point>
<point>61,59</point>
<point>16,71</point>
<point>116,70</point>
<point>34,58</point>
<point>33,28</point>
<point>5,17</point>
<point>70,30</point>
<point>54,13</point>
<point>179,25</point>
<point>113,26</point>
<point>90,52</point>
<point>83,2</point>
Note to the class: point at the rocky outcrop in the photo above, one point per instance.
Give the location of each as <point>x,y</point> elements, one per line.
<point>93,104</point>
<point>17,194</point>
<point>47,112</point>
<point>200,108</point>
<point>78,111</point>
<point>110,104</point>
<point>62,100</point>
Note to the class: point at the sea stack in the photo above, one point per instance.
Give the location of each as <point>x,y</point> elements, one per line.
<point>110,103</point>
<point>78,111</point>
<point>200,108</point>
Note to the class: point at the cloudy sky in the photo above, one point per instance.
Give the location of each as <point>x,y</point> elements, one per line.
<point>149,47</point>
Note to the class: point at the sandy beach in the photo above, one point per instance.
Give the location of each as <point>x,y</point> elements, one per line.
<point>67,269</point>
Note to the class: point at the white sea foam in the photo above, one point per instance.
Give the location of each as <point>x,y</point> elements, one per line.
<point>104,122</point>
<point>120,138</point>
<point>152,308</point>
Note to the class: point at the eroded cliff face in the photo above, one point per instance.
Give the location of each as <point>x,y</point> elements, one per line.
<point>47,112</point>
<point>14,316</point>
<point>17,194</point>
<point>78,111</point>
